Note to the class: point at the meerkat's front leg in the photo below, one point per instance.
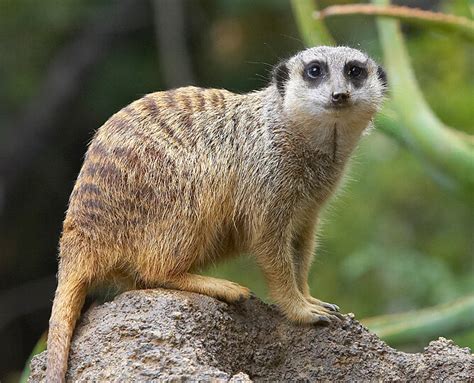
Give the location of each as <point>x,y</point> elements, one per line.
<point>304,246</point>
<point>274,255</point>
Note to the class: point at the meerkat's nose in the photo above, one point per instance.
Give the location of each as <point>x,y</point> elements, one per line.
<point>340,97</point>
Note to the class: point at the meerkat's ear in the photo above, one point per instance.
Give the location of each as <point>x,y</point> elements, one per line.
<point>280,76</point>
<point>382,77</point>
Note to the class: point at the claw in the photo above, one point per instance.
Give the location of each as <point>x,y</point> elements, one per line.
<point>330,306</point>
<point>337,316</point>
<point>322,311</point>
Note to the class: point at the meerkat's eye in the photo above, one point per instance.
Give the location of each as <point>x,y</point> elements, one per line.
<point>314,70</point>
<point>355,71</point>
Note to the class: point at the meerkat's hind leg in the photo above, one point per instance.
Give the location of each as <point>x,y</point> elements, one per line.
<point>221,289</point>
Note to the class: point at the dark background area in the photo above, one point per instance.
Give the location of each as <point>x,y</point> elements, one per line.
<point>393,239</point>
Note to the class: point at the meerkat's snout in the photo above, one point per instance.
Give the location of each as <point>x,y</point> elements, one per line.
<point>353,75</point>
<point>340,98</point>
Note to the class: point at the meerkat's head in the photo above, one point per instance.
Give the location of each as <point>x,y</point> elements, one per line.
<point>324,86</point>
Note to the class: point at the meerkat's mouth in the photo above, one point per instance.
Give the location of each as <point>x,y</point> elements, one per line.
<point>333,106</point>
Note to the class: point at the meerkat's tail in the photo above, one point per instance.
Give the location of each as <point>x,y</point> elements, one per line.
<point>68,301</point>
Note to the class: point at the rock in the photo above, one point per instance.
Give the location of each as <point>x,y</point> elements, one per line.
<point>163,335</point>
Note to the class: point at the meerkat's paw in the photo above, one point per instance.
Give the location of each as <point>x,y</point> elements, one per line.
<point>307,313</point>
<point>328,306</point>
<point>230,292</point>
<point>332,314</point>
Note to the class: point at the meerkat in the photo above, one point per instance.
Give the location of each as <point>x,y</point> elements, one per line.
<point>182,178</point>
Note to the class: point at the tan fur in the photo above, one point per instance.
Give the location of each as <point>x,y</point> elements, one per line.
<point>182,178</point>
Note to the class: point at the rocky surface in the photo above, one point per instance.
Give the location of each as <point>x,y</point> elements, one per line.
<point>163,335</point>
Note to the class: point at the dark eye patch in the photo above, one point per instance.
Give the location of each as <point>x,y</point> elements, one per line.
<point>382,76</point>
<point>281,76</point>
<point>356,72</point>
<point>315,71</point>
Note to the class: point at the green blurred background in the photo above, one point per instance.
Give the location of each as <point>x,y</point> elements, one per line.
<point>392,240</point>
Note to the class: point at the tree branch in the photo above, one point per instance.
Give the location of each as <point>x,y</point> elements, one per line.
<point>450,23</point>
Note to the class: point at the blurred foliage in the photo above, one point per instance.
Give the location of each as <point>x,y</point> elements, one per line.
<point>391,241</point>
<point>40,346</point>
<point>419,326</point>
